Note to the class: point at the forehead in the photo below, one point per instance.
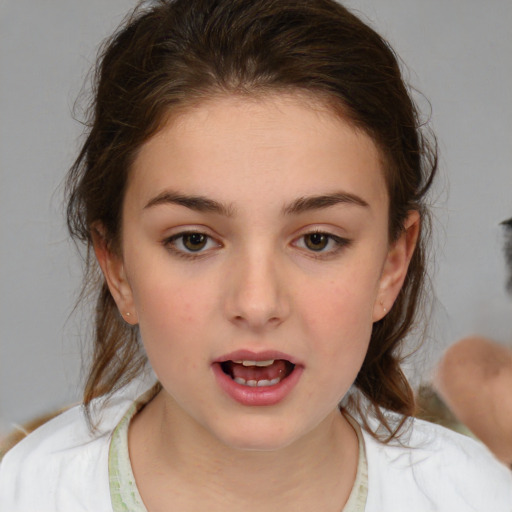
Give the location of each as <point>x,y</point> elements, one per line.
<point>277,146</point>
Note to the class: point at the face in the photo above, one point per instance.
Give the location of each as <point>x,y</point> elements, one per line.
<point>255,259</point>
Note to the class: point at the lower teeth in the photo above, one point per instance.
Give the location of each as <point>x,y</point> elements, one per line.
<point>257,383</point>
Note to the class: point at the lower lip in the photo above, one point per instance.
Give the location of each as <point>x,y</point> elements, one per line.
<point>257,396</point>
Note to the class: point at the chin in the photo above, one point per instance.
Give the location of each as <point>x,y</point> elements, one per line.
<point>258,436</point>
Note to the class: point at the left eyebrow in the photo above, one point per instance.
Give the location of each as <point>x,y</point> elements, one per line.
<point>197,203</point>
<point>307,203</point>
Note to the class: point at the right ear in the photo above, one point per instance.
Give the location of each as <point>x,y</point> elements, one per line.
<point>112,266</point>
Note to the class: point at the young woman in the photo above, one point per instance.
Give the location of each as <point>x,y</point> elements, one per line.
<point>252,188</point>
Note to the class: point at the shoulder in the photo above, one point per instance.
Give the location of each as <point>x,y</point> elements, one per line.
<point>436,469</point>
<point>57,465</point>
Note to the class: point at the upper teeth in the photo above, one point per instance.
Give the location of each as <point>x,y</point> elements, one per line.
<point>246,362</point>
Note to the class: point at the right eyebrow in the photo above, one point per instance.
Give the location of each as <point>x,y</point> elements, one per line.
<point>197,203</point>
<point>308,203</point>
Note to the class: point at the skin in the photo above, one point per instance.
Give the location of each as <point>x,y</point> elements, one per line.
<point>482,402</point>
<point>258,286</point>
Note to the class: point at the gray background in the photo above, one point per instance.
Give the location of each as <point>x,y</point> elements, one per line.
<point>458,54</point>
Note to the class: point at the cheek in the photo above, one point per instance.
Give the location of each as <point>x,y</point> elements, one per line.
<point>340,308</point>
<point>340,325</point>
<point>171,310</point>
<point>173,322</point>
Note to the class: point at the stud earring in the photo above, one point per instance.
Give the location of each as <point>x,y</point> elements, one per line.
<point>128,314</point>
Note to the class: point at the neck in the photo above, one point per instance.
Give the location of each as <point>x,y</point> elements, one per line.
<point>320,467</point>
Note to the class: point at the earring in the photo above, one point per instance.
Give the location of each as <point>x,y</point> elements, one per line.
<point>383,308</point>
<point>128,314</point>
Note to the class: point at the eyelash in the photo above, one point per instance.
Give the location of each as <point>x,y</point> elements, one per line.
<point>171,244</point>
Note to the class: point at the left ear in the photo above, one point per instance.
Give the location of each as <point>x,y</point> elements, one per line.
<point>112,266</point>
<point>396,265</point>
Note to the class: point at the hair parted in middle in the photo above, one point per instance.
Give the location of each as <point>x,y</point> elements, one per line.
<point>170,55</point>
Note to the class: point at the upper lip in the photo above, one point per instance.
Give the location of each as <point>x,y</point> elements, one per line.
<point>249,355</point>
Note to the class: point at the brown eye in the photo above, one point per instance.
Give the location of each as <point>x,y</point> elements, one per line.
<point>194,241</point>
<point>191,244</point>
<point>316,241</point>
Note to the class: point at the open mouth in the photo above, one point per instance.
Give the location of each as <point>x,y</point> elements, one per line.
<point>258,373</point>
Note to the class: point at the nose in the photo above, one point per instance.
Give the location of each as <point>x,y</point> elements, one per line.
<point>257,297</point>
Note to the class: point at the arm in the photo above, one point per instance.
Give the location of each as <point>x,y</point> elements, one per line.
<point>474,378</point>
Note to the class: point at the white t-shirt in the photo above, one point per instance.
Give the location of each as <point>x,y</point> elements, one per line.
<point>63,467</point>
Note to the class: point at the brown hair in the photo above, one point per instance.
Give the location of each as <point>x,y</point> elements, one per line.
<point>170,53</point>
